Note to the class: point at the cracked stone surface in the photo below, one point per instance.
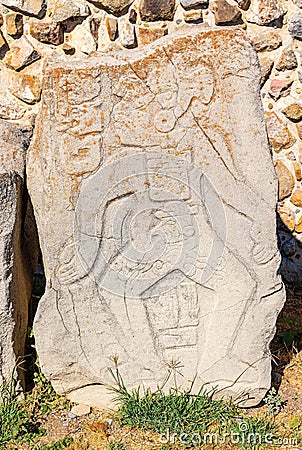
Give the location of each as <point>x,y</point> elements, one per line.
<point>149,165</point>
<point>34,8</point>
<point>18,250</point>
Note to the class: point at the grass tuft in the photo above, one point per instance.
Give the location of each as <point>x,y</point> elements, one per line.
<point>16,421</point>
<point>176,413</point>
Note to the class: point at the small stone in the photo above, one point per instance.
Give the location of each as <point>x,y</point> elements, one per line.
<point>14,24</point>
<point>293,112</point>
<point>132,16</point>
<point>115,7</point>
<point>193,15</point>
<point>71,416</point>
<point>80,410</point>
<point>266,65</point>
<point>110,421</point>
<point>287,215</point>
<point>297,169</point>
<point>35,8</point>
<point>127,35</point>
<point>156,10</point>
<point>147,34</point>
<point>296,198</point>
<point>1,20</point>
<point>225,13</point>
<point>266,41</point>
<point>278,133</point>
<point>10,109</point>
<point>280,88</point>
<point>295,26</point>
<point>286,180</point>
<point>288,60</point>
<point>25,87</point>
<point>112,27</point>
<point>270,106</point>
<point>66,10</point>
<point>298,226</point>
<point>47,32</point>
<point>21,54</point>
<point>265,12</point>
<point>191,3</point>
<point>68,49</point>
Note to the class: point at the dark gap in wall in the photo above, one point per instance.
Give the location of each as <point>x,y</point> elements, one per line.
<point>38,290</point>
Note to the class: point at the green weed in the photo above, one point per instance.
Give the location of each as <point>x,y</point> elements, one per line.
<point>274,402</point>
<point>16,421</point>
<point>115,447</point>
<point>59,445</point>
<point>176,413</point>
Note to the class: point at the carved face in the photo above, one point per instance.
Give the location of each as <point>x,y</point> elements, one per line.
<point>81,154</point>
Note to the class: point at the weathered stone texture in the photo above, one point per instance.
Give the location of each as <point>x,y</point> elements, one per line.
<point>293,112</point>
<point>193,15</point>
<point>65,10</point>
<point>280,88</point>
<point>278,133</point>
<point>14,24</point>
<point>148,34</point>
<point>18,250</point>
<point>266,65</point>
<point>25,87</point>
<point>153,10</point>
<point>286,180</point>
<point>21,54</point>
<point>288,60</point>
<point>295,25</point>
<point>115,7</point>
<point>35,8</point>
<point>49,33</point>
<point>119,134</point>
<point>267,41</point>
<point>112,28</point>
<point>265,12</point>
<point>224,12</point>
<point>296,198</point>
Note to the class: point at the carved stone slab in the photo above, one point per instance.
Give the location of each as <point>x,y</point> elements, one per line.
<point>17,256</point>
<point>155,193</point>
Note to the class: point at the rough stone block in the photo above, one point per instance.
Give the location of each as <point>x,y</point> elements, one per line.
<point>34,8</point>
<point>18,251</point>
<point>157,219</point>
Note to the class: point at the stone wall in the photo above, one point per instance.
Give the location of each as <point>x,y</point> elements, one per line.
<point>31,30</point>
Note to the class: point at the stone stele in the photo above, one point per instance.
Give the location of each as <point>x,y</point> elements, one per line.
<point>154,192</point>
<point>18,252</point>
